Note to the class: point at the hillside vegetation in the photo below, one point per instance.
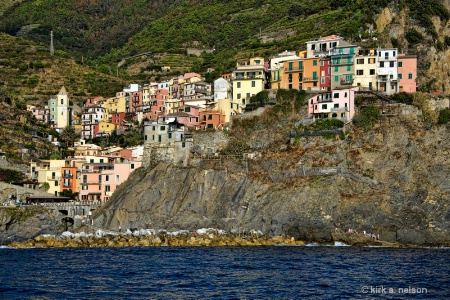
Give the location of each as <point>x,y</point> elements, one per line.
<point>29,73</point>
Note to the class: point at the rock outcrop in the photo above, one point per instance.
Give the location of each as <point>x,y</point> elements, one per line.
<point>22,223</point>
<point>391,181</point>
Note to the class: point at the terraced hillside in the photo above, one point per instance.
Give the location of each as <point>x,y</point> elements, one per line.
<point>28,72</point>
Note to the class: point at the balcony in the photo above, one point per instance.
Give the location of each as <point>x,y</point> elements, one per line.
<point>66,184</point>
<point>324,100</point>
<point>339,109</point>
<point>386,58</point>
<point>91,182</point>
<point>346,82</point>
<point>287,70</point>
<point>67,175</point>
<point>342,62</point>
<point>310,79</point>
<point>53,178</point>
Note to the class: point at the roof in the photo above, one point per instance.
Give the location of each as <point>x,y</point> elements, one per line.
<point>179,114</point>
<point>62,91</point>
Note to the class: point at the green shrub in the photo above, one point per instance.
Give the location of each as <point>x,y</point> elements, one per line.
<point>367,117</point>
<point>413,36</point>
<point>444,116</point>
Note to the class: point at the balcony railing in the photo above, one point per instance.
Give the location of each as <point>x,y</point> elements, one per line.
<point>52,177</point>
<point>346,82</point>
<point>66,184</point>
<point>293,69</point>
<point>91,182</point>
<point>307,79</point>
<point>325,100</point>
<point>342,62</point>
<point>67,175</point>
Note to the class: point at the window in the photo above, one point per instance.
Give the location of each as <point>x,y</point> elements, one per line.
<point>248,95</point>
<point>399,75</point>
<point>238,85</point>
<point>360,61</point>
<point>410,76</point>
<point>322,80</point>
<point>359,72</point>
<point>400,64</point>
<point>101,160</point>
<point>391,76</point>
<point>322,63</point>
<point>315,106</point>
<point>290,66</point>
<point>239,96</point>
<point>170,135</point>
<point>107,188</point>
<point>336,95</point>
<point>290,77</point>
<point>117,177</point>
<point>84,187</point>
<point>91,161</point>
<point>132,166</point>
<point>381,64</point>
<point>336,69</point>
<point>371,60</point>
<point>315,62</point>
<point>349,68</point>
<point>324,106</point>
<point>300,65</point>
<point>336,105</point>
<point>106,177</point>
<point>56,183</point>
<point>345,94</point>
<point>372,71</point>
<point>187,109</point>
<point>290,86</point>
<point>163,128</point>
<point>253,83</point>
<point>210,126</point>
<point>62,101</point>
<point>209,117</point>
<point>336,78</point>
<point>391,64</point>
<point>314,75</point>
<point>145,137</point>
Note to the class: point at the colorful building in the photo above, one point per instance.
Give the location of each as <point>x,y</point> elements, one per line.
<point>407,73</point>
<point>248,79</point>
<point>387,78</point>
<point>337,104</point>
<point>365,69</point>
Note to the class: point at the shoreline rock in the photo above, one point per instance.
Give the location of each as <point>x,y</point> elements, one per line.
<point>149,240</point>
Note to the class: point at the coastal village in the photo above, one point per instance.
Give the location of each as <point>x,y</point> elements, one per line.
<point>331,71</point>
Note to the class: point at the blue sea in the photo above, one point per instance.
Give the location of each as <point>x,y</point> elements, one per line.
<point>225,273</point>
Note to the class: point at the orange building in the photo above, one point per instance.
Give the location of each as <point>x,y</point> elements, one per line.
<point>68,179</point>
<point>212,119</point>
<point>311,74</point>
<point>293,74</point>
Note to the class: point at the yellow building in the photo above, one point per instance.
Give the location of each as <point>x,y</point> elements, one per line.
<point>51,173</point>
<point>248,80</point>
<point>114,105</point>
<point>106,128</point>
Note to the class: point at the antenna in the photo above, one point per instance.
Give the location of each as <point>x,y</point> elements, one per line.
<point>52,49</point>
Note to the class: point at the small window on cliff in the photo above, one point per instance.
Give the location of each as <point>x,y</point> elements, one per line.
<point>132,166</point>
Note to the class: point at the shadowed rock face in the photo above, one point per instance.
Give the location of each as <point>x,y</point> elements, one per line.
<point>392,181</point>
<point>23,223</point>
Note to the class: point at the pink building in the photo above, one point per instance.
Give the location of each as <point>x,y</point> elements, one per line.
<point>407,73</point>
<point>91,181</point>
<point>94,101</point>
<point>337,104</point>
<point>135,100</point>
<point>186,119</point>
<point>158,104</point>
<point>111,178</point>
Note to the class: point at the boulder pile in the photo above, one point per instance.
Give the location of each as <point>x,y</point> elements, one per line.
<point>147,237</point>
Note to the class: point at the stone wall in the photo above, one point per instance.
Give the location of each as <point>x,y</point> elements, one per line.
<point>209,142</point>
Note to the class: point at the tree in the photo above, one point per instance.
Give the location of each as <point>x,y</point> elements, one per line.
<point>68,136</point>
<point>46,186</point>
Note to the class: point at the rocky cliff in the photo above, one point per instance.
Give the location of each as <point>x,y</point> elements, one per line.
<point>392,181</point>
<point>22,223</point>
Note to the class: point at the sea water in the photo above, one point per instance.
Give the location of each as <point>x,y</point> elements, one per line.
<point>225,273</point>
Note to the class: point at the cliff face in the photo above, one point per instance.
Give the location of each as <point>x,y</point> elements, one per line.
<point>392,181</point>
<point>25,222</point>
